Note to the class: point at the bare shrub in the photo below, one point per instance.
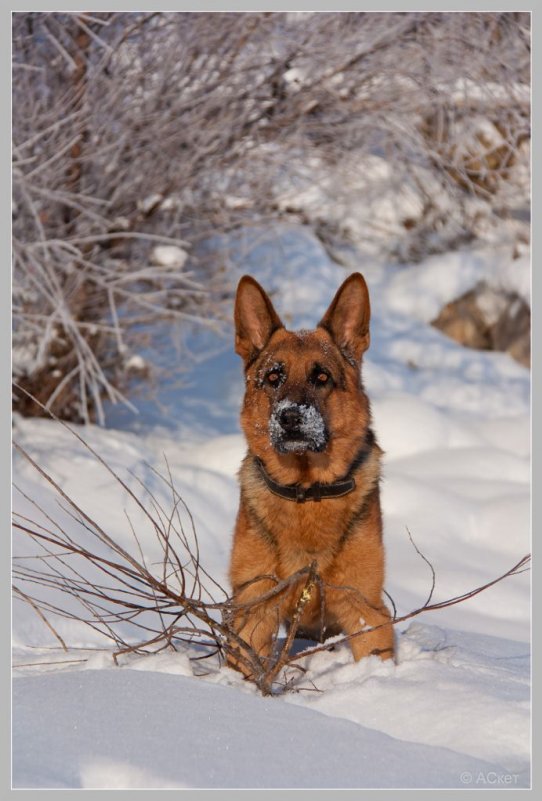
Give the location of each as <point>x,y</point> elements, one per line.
<point>80,572</point>
<point>135,129</point>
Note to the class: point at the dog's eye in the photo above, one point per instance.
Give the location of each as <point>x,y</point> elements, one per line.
<point>321,379</point>
<point>273,378</point>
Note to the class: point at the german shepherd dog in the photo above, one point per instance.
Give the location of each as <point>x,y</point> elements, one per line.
<point>310,480</point>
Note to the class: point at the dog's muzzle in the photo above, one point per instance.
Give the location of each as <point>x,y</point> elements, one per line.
<point>297,428</point>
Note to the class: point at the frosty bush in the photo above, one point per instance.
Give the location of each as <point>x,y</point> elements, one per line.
<point>133,131</point>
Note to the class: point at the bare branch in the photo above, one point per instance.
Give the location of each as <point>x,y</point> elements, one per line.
<point>143,608</point>
<point>184,128</point>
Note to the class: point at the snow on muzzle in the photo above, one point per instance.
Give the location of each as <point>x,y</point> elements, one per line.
<point>296,428</point>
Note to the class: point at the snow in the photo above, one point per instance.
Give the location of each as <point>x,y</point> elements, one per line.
<point>455,427</point>
<point>149,202</point>
<point>423,292</point>
<point>466,90</point>
<point>169,256</point>
<point>192,734</point>
<point>135,362</point>
<point>312,429</point>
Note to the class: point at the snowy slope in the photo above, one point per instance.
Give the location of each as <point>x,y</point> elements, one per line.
<point>455,428</point>
<point>189,734</point>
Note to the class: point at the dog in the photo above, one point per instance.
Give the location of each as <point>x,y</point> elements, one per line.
<point>309,484</point>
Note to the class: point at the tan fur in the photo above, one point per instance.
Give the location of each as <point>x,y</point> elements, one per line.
<point>276,537</point>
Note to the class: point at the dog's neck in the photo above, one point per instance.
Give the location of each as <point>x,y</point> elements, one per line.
<point>301,491</point>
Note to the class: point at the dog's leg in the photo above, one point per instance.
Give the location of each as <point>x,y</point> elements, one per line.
<point>358,616</point>
<point>255,625</point>
<point>253,564</point>
<point>356,599</point>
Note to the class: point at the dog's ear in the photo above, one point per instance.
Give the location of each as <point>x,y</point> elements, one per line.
<point>255,318</point>
<point>348,317</point>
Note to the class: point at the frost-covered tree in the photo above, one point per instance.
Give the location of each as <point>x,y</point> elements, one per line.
<point>407,132</point>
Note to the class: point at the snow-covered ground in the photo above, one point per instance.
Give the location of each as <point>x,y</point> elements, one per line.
<point>455,709</point>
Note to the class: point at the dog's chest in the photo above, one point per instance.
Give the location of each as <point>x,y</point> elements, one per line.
<point>306,531</point>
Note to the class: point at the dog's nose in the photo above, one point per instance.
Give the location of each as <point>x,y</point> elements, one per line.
<point>290,418</point>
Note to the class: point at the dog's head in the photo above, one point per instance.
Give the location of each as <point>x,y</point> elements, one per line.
<point>303,389</point>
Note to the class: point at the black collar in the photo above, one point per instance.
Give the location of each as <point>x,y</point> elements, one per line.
<point>317,491</point>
